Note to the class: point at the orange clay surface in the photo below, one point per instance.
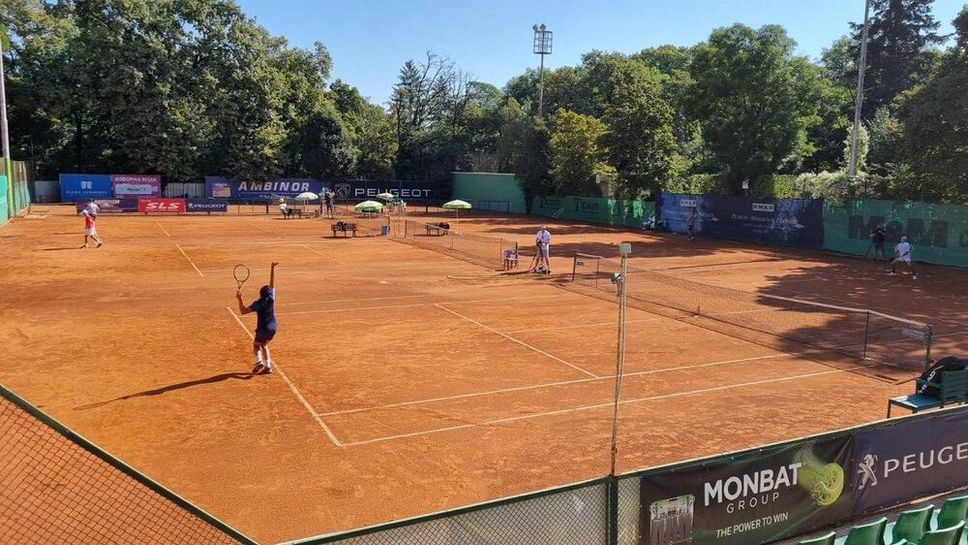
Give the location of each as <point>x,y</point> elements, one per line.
<point>408,381</point>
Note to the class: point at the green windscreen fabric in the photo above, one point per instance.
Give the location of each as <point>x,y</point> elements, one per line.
<point>489,190</point>
<point>4,210</point>
<point>594,209</point>
<point>937,232</point>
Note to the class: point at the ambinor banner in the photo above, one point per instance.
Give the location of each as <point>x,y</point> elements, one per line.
<point>754,498</point>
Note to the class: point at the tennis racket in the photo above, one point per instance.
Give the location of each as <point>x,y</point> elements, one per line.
<point>241,274</point>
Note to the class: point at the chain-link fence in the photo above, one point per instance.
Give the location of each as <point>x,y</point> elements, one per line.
<point>574,515</point>
<point>56,487</point>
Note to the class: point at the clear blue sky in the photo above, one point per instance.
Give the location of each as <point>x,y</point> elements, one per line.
<point>491,39</point>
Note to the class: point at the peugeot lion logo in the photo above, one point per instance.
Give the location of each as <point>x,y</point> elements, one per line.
<point>342,191</point>
<point>866,471</point>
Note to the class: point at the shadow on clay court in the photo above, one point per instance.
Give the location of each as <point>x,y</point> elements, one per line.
<point>61,248</point>
<point>170,388</point>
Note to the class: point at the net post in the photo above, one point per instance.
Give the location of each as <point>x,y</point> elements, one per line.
<point>928,339</point>
<point>867,334</point>
<point>612,524</point>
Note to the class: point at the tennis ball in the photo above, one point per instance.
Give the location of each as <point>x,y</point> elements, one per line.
<point>825,482</point>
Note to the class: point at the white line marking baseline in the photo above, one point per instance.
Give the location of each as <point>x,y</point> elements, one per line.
<point>409,305</point>
<point>590,407</point>
<point>189,260</point>
<point>510,338</point>
<point>292,387</point>
<point>163,229</point>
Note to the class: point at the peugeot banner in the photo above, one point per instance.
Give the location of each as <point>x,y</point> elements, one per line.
<point>911,459</point>
<point>207,205</point>
<point>754,498</point>
<point>368,189</point>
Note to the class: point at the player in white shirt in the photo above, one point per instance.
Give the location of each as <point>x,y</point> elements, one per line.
<point>902,254</point>
<point>92,208</point>
<point>543,242</point>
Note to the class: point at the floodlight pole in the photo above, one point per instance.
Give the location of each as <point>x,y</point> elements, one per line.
<point>625,249</point>
<point>5,137</point>
<point>859,100</point>
<point>542,47</point>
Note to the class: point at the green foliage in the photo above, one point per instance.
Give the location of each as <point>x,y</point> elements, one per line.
<point>935,117</point>
<point>774,186</point>
<point>900,34</point>
<point>886,140</point>
<point>576,154</point>
<point>863,143</point>
<point>750,131</point>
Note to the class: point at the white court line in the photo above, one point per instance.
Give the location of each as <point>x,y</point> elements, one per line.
<point>163,229</point>
<point>329,301</point>
<point>306,246</point>
<point>380,270</point>
<point>261,228</point>
<point>590,407</point>
<point>510,338</point>
<point>580,326</point>
<point>292,386</point>
<point>551,385</point>
<point>189,260</point>
<point>348,309</point>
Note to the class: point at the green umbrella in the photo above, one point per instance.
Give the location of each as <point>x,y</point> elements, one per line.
<point>457,205</point>
<point>368,206</point>
<point>386,196</point>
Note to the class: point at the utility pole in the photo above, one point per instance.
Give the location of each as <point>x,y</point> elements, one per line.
<point>859,101</point>
<point>621,283</point>
<point>5,137</point>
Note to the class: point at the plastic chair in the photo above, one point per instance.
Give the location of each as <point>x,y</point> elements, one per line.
<point>912,524</point>
<point>953,511</point>
<point>946,536</point>
<point>822,540</point>
<point>867,534</point>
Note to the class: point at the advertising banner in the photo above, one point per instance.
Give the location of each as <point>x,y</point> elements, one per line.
<point>368,189</point>
<point>161,206</point>
<point>938,232</point>
<point>791,222</point>
<point>207,205</point>
<point>136,185</point>
<point>111,205</point>
<point>757,497</point>
<point>82,187</point>
<point>220,187</point>
<point>631,213</point>
<point>911,459</point>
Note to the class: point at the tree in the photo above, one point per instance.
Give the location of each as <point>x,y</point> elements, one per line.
<point>900,33</point>
<point>753,132</point>
<point>577,158</point>
<point>640,140</point>
<point>935,118</point>
<point>840,63</point>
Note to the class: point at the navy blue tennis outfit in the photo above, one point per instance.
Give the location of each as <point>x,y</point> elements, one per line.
<point>265,310</point>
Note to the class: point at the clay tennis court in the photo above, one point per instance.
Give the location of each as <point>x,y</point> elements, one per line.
<point>409,381</point>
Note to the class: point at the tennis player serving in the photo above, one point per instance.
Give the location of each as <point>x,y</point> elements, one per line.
<point>265,329</point>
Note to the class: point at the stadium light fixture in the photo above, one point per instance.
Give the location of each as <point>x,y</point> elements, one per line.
<point>542,46</point>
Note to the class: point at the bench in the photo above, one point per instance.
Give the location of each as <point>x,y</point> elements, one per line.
<point>342,227</point>
<point>953,388</point>
<point>441,228</point>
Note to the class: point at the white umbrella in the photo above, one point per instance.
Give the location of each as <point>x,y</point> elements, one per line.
<point>386,196</point>
<point>307,196</point>
<point>457,205</point>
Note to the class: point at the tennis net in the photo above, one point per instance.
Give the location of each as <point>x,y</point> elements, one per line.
<point>859,333</point>
<point>447,239</point>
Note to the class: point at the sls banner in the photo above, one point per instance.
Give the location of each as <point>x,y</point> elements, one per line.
<point>755,498</point>
<point>792,222</point>
<point>220,187</point>
<point>911,459</point>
